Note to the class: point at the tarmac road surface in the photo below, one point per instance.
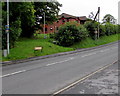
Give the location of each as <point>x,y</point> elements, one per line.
<point>49,75</point>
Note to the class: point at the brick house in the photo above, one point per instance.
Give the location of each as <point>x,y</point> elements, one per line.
<point>63,18</point>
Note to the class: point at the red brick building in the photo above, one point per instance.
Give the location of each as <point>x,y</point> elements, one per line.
<point>63,18</point>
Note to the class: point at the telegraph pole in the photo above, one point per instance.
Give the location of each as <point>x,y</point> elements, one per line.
<point>97,15</point>
<point>98,22</point>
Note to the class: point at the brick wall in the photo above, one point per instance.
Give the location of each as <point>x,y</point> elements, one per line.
<point>51,28</point>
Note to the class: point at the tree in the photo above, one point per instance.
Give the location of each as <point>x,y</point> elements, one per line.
<point>27,17</point>
<point>91,26</point>
<point>21,21</point>
<point>15,27</point>
<point>50,9</point>
<point>108,19</point>
<point>69,33</point>
<point>22,18</point>
<point>109,29</point>
<point>102,30</point>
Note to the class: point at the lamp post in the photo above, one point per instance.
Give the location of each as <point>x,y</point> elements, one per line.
<point>7,27</point>
<point>38,19</point>
<point>44,24</point>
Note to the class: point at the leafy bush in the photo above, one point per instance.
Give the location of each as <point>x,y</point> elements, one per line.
<point>102,30</point>
<point>91,26</point>
<point>118,30</point>
<point>70,33</point>
<point>14,33</point>
<point>52,35</point>
<point>109,29</point>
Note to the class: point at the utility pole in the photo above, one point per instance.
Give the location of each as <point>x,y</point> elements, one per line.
<point>98,14</point>
<point>98,22</point>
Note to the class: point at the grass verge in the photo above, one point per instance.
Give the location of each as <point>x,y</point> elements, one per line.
<point>24,48</point>
<point>88,42</point>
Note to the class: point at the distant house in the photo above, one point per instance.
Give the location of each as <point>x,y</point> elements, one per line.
<point>62,19</point>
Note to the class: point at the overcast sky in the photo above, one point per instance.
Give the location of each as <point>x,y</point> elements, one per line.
<point>84,7</point>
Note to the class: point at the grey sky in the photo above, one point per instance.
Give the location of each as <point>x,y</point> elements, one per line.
<point>84,7</point>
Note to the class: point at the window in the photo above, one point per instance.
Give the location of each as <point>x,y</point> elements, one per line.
<point>57,21</point>
<point>67,20</point>
<point>77,21</point>
<point>45,29</point>
<point>63,20</point>
<point>57,28</point>
<point>51,28</point>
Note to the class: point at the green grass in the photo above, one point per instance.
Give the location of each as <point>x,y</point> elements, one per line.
<point>24,48</point>
<point>88,42</point>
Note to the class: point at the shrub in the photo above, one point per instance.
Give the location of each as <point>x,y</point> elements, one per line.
<point>118,30</point>
<point>70,33</point>
<point>14,33</point>
<point>52,35</point>
<point>91,26</point>
<point>109,29</point>
<point>115,29</point>
<point>102,30</point>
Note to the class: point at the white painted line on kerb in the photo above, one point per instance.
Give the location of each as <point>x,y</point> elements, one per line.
<point>60,61</point>
<point>13,73</point>
<point>88,54</point>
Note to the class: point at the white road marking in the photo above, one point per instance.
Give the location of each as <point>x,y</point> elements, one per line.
<point>10,74</point>
<point>104,50</point>
<point>88,54</point>
<point>60,61</point>
<point>54,63</point>
<point>13,73</point>
<point>82,79</point>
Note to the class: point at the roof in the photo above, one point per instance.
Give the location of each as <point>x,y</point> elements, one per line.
<point>66,16</point>
<point>71,16</point>
<point>83,18</point>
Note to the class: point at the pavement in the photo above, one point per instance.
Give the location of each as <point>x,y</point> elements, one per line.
<point>46,76</point>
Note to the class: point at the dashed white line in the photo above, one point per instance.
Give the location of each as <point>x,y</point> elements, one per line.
<point>104,50</point>
<point>60,61</point>
<point>13,73</point>
<point>27,70</point>
<point>88,54</point>
<point>53,63</point>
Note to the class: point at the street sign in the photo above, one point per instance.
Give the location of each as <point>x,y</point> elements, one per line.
<point>7,27</point>
<point>95,32</point>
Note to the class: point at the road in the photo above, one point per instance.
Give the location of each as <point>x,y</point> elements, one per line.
<point>49,75</point>
<point>103,82</point>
